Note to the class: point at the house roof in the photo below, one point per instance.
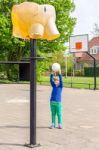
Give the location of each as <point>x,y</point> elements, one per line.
<point>94,42</point>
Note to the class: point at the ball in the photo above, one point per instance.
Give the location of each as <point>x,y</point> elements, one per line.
<point>56,67</point>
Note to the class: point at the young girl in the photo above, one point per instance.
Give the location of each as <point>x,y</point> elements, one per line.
<point>55,100</point>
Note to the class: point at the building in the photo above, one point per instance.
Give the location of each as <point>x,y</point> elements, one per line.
<point>83,59</point>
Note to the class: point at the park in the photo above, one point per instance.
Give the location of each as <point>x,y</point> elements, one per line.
<point>41,59</point>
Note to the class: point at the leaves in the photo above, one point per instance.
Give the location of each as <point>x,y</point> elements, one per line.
<point>15,49</point>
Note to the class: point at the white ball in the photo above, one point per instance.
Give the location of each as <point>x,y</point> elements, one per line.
<point>56,67</point>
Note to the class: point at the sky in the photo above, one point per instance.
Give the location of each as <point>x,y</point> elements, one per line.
<point>87,14</point>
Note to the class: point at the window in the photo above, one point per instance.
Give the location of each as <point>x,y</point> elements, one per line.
<point>94,50</point>
<point>97,48</point>
<point>91,50</point>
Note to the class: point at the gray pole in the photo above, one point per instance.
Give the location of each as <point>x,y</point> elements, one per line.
<point>94,70</point>
<point>95,74</point>
<point>33,92</point>
<point>33,58</point>
<point>65,66</point>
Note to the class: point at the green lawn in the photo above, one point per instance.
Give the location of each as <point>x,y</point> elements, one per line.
<point>75,82</point>
<point>70,82</point>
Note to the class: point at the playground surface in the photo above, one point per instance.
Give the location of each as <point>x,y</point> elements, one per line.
<point>80,119</point>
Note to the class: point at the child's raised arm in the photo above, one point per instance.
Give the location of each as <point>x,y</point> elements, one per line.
<point>60,79</point>
<point>51,79</point>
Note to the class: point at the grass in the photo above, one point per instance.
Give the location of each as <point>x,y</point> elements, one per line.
<point>70,82</point>
<point>5,81</point>
<point>75,82</point>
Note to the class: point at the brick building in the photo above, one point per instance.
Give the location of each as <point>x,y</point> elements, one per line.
<point>83,59</point>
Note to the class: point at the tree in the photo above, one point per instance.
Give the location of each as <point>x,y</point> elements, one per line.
<point>96,30</point>
<point>10,48</point>
<point>15,49</point>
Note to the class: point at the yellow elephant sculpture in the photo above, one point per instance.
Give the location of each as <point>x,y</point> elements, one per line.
<point>33,21</point>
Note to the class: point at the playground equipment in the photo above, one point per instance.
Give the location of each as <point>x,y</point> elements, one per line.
<point>79,44</point>
<point>33,21</point>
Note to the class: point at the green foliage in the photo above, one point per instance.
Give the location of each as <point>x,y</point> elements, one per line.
<point>70,64</point>
<point>89,71</point>
<point>15,49</point>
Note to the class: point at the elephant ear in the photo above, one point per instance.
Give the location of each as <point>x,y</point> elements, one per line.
<point>21,15</point>
<point>30,6</point>
<point>25,8</point>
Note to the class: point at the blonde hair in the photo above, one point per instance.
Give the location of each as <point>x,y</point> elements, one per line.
<point>56,78</point>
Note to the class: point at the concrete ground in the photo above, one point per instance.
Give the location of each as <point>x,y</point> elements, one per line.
<point>80,119</point>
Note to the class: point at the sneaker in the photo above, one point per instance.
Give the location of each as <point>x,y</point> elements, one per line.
<point>60,127</point>
<point>52,127</point>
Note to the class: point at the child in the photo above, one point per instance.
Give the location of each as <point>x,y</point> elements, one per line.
<point>55,100</point>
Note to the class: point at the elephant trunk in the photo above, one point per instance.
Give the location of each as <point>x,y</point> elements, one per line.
<point>51,30</point>
<point>36,31</point>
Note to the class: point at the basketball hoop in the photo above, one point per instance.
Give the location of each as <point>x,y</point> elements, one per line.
<point>78,43</point>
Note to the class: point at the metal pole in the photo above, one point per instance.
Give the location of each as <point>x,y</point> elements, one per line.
<point>33,92</point>
<point>66,67</point>
<point>94,70</point>
<point>94,74</point>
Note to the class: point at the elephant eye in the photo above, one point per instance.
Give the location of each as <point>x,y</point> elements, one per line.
<point>44,9</point>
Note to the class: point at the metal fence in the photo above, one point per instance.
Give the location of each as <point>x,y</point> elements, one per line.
<point>73,85</point>
<point>66,84</point>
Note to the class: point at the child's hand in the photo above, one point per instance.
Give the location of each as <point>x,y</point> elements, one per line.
<point>53,72</point>
<point>56,72</point>
<point>59,71</point>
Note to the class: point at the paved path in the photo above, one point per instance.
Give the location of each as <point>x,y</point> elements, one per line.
<point>80,119</point>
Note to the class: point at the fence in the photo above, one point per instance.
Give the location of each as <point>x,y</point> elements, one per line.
<point>73,85</point>
<point>66,84</point>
